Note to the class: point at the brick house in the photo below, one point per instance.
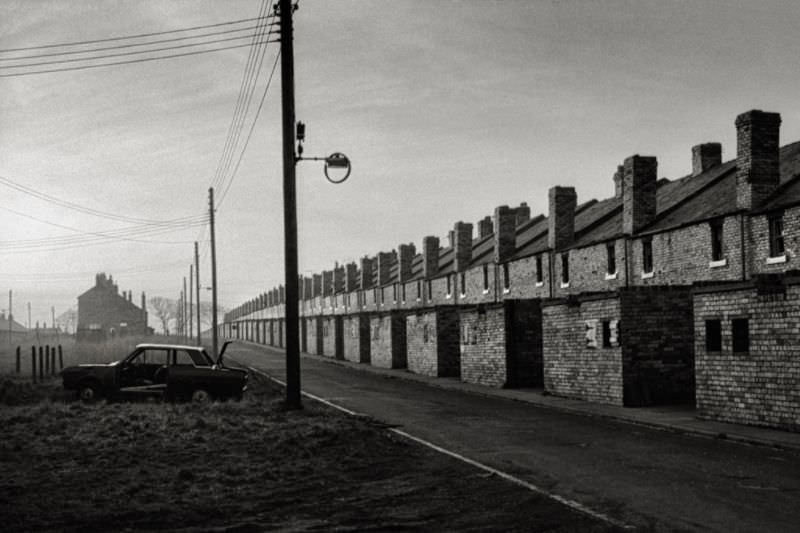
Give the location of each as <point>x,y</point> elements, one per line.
<point>104,313</point>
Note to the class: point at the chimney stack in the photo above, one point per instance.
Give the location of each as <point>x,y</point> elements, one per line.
<point>640,182</point>
<point>351,277</point>
<point>385,260</point>
<point>523,213</point>
<point>308,288</point>
<point>757,157</point>
<point>327,283</point>
<point>317,285</point>
<point>281,294</point>
<point>561,222</point>
<point>338,278</point>
<point>367,268</point>
<point>705,156</point>
<point>462,249</point>
<point>430,256</point>
<point>505,235</point>
<point>406,254</point>
<point>485,227</point>
<point>618,181</point>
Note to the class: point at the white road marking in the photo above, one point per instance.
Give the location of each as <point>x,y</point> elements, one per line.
<point>572,504</point>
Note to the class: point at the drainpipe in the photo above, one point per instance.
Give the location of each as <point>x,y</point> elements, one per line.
<point>741,247</point>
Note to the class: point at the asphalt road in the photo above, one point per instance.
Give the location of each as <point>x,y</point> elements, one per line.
<point>654,479</point>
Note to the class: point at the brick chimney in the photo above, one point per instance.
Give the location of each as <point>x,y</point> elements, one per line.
<point>338,278</point>
<point>705,156</point>
<point>485,227</point>
<point>317,282</point>
<point>367,268</point>
<point>308,288</point>
<point>281,294</point>
<point>639,192</point>
<point>351,277</point>
<point>618,181</point>
<point>462,247</point>
<point>523,213</point>
<point>757,157</point>
<point>406,253</point>
<point>505,235</point>
<point>385,260</point>
<point>561,222</point>
<point>144,310</point>
<point>327,282</point>
<point>430,256</point>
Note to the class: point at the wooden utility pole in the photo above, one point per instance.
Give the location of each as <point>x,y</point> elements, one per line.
<point>289,208</point>
<point>197,289</point>
<point>10,318</point>
<point>185,323</point>
<point>191,301</point>
<point>214,340</point>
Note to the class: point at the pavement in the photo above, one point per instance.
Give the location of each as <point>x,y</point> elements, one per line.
<point>679,419</point>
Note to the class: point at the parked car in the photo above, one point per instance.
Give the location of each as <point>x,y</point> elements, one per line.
<point>171,371</point>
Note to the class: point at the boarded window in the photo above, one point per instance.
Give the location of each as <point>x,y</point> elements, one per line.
<point>613,333</point>
<point>741,335</point>
<point>713,335</point>
<point>591,333</point>
<point>776,248</point>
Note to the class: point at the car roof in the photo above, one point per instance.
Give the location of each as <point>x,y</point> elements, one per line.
<point>175,346</point>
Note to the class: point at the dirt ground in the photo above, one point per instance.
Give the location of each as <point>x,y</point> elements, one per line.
<point>238,467</point>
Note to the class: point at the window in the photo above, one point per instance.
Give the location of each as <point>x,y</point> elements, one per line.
<point>539,273</point>
<point>647,255</point>
<point>404,292</point>
<point>419,290</point>
<point>383,296</point>
<point>506,277</point>
<point>374,296</point>
<point>611,254</point>
<point>394,292</point>
<point>713,335</point>
<point>430,289</point>
<point>717,253</point>
<point>565,268</point>
<point>485,277</point>
<point>463,283</point>
<point>741,335</point>
<point>449,284</point>
<point>606,334</point>
<point>775,235</point>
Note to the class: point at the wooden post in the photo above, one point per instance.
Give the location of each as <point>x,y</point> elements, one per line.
<point>60,358</point>
<point>41,364</point>
<point>33,363</point>
<point>46,359</point>
<point>19,359</point>
<point>53,361</point>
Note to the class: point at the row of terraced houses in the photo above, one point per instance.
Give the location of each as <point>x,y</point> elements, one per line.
<point>671,291</point>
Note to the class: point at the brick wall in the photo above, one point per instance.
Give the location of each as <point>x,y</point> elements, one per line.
<point>501,344</point>
<point>329,336</point>
<point>314,335</point>
<point>356,338</point>
<point>572,369</point>
<point>388,340</point>
<point>522,274</point>
<point>432,338</point>
<point>682,256</point>
<point>758,240</point>
<point>588,267</point>
<point>761,386</point>
<point>474,284</point>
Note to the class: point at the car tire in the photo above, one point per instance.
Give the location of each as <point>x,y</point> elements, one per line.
<point>89,392</point>
<point>201,396</point>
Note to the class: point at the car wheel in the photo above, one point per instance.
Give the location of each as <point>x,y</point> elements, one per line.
<point>201,396</point>
<point>89,392</point>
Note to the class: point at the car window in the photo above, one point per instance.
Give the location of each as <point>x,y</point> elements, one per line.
<point>150,356</point>
<point>198,358</point>
<point>182,357</point>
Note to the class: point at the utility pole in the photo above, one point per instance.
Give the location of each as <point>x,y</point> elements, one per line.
<point>29,316</point>
<point>289,208</point>
<point>214,340</point>
<point>53,314</point>
<point>197,290</point>
<point>191,302</point>
<point>185,323</point>
<point>10,317</point>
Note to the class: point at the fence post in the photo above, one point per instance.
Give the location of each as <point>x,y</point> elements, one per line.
<point>19,359</point>
<point>60,358</point>
<point>46,359</point>
<point>41,363</point>
<point>33,362</point>
<point>53,360</point>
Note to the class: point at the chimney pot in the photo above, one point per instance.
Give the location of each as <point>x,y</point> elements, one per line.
<point>485,227</point>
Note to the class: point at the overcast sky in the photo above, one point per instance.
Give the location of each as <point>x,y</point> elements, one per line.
<point>447,110</point>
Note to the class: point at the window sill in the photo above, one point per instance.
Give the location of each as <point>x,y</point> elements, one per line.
<point>647,275</point>
<point>462,295</point>
<point>447,296</point>
<point>506,291</point>
<point>540,283</point>
<point>565,285</point>
<point>485,291</point>
<point>609,277</point>
<point>777,260</point>
<point>719,263</point>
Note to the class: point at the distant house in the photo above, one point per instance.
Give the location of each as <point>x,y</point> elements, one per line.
<point>11,328</point>
<point>104,313</point>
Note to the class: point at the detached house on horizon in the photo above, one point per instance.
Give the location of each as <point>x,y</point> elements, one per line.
<point>104,313</point>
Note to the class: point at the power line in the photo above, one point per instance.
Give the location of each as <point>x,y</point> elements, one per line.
<point>122,38</point>
<point>129,61</point>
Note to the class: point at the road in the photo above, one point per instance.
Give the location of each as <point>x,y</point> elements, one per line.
<point>646,477</point>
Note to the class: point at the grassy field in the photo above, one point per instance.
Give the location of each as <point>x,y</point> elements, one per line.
<point>247,466</point>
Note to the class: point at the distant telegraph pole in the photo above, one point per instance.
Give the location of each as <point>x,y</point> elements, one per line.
<point>289,208</point>
<point>197,289</point>
<point>214,340</point>
<point>191,301</point>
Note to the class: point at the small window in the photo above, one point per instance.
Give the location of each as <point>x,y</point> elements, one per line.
<point>394,292</point>
<point>430,289</point>
<point>775,235</point>
<point>383,296</point>
<point>374,296</point>
<point>741,335</point>
<point>611,254</point>
<point>463,283</point>
<point>404,292</point>
<point>539,273</point>
<point>713,335</point>
<point>717,252</point>
<point>565,268</point>
<point>449,284</point>
<point>486,277</point>
<point>506,277</point>
<point>647,256</point>
<point>606,334</point>
<point>419,290</point>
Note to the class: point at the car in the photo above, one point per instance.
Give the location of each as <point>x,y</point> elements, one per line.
<point>170,371</point>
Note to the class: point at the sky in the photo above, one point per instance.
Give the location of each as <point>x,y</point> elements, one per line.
<point>446,109</point>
